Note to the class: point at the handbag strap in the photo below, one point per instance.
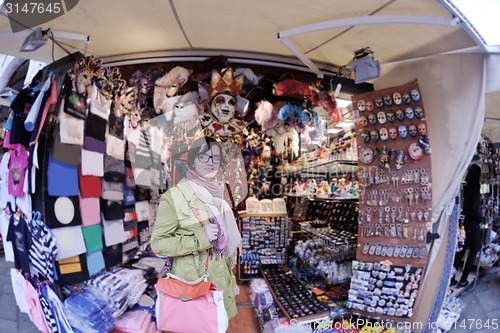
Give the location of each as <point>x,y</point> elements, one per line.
<point>203,223</point>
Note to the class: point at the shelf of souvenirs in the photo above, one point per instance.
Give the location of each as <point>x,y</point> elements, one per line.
<point>327,237</point>
<point>331,164</point>
<point>338,188</point>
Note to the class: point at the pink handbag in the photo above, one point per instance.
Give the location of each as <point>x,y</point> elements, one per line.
<point>190,307</point>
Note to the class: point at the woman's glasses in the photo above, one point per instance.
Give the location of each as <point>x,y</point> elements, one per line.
<point>204,158</point>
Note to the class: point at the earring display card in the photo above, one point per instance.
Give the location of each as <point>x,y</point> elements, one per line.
<point>296,302</point>
<point>395,204</point>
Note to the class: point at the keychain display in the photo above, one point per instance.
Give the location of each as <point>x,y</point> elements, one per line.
<point>395,199</point>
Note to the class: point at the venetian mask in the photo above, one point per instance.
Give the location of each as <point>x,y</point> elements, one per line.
<point>361,105</point>
<point>135,118</point>
<point>372,119</point>
<point>393,133</point>
<point>412,129</point>
<point>223,107</point>
<point>396,97</point>
<point>369,105</point>
<point>363,121</point>
<point>422,129</point>
<point>83,81</point>
<point>381,117</point>
<point>384,134</point>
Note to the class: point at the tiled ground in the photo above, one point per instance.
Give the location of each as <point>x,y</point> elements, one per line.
<point>483,303</point>
<point>11,319</point>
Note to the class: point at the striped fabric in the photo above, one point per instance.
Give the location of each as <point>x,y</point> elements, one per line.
<point>63,325</point>
<point>43,251</point>
<point>47,312</point>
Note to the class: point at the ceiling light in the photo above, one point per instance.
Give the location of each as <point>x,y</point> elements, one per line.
<point>36,39</point>
<point>364,66</point>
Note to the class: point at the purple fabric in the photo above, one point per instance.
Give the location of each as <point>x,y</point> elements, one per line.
<point>95,145</point>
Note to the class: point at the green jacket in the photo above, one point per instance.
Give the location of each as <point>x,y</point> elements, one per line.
<point>178,233</point>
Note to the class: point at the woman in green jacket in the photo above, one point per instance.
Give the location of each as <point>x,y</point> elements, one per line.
<point>178,232</point>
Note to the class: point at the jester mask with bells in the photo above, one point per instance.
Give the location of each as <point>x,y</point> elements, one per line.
<point>223,92</point>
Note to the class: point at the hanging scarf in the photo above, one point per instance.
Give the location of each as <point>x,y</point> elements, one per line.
<point>211,193</point>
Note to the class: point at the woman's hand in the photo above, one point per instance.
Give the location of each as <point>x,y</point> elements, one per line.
<point>211,230</point>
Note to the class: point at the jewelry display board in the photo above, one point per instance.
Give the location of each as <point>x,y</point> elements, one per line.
<point>264,242</point>
<point>296,302</point>
<point>394,172</point>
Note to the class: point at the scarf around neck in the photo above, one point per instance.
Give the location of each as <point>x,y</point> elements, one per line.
<point>211,193</point>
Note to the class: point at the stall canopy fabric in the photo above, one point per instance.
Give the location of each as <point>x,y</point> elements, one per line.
<point>459,82</point>
<point>129,29</point>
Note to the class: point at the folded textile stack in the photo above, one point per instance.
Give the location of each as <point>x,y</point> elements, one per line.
<point>157,263</point>
<point>122,288</point>
<point>134,322</point>
<point>89,313</point>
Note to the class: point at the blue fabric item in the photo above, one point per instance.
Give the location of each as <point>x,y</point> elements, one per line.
<point>62,178</point>
<point>95,263</point>
<point>29,123</point>
<point>86,304</point>
<point>8,123</point>
<point>128,196</point>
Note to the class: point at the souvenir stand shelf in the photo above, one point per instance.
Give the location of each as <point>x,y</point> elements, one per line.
<point>265,238</point>
<point>394,202</point>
